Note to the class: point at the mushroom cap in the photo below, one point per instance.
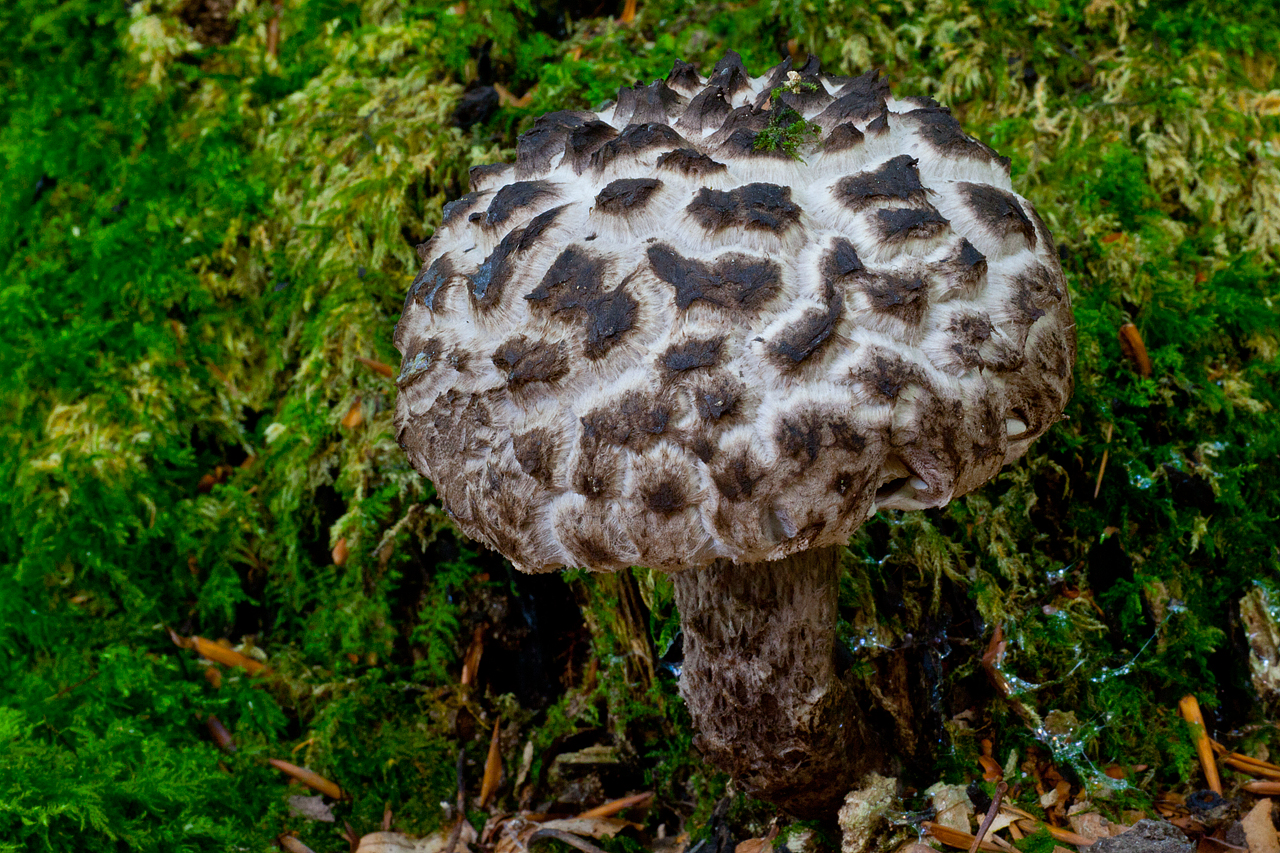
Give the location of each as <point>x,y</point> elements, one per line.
<point>651,342</point>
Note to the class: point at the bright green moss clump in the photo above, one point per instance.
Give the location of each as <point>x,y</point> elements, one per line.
<point>205,246</point>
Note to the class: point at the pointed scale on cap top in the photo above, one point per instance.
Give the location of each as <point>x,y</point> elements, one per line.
<point>652,342</point>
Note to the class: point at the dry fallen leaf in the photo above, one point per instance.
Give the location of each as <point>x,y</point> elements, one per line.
<point>492,767</point>
<point>1259,831</point>
<point>758,845</point>
<point>398,842</point>
<point>312,808</point>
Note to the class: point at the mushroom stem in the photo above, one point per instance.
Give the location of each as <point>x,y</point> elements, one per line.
<point>760,677</point>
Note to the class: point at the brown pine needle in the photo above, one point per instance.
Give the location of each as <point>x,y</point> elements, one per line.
<point>377,366</point>
<point>1189,708</point>
<point>354,416</point>
<point>963,840</point>
<point>1066,836</point>
<point>214,652</point>
<point>1102,467</point>
<point>1134,349</point>
<point>293,845</point>
<point>220,735</point>
<point>314,781</point>
<point>1265,789</point>
<point>1239,762</point>
<point>612,807</point>
<point>492,767</point>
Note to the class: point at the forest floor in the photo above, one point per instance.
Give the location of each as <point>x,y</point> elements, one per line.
<point>215,560</point>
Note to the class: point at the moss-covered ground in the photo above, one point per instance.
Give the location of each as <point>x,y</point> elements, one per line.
<point>208,213</point>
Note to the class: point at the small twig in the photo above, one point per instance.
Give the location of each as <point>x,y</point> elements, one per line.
<point>567,838</point>
<point>1189,709</point>
<point>992,811</point>
<point>462,804</point>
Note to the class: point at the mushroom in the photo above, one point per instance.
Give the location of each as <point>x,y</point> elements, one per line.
<point>712,329</point>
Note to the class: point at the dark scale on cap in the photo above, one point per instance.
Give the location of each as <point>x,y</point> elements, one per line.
<point>807,98</point>
<point>634,420</point>
<point>730,74</point>
<point>574,279</point>
<point>742,143</point>
<point>420,362</point>
<point>840,263</point>
<point>489,281</point>
<point>717,397</point>
<point>641,104</point>
<point>686,161</point>
<point>548,137</point>
<point>532,232</point>
<point>424,250</point>
<point>1024,300</point>
<point>536,452</point>
<point>737,474</point>
<point>526,361</point>
<point>904,297</point>
<point>692,355</point>
<point>858,100</point>
<point>880,123</point>
<point>485,172</point>
<point>886,375</point>
<point>456,209</point>
<point>428,283</point>
<point>597,476</point>
<point>941,130</point>
<point>1046,288</point>
<point>986,439</point>
<point>512,197</point>
<point>803,434</point>
<point>968,333</point>
<point>842,138</point>
<point>709,108</point>
<point>998,211</point>
<point>896,179</point>
<point>968,266</point>
<point>684,76</point>
<point>910,223</point>
<point>808,335</point>
<point>666,496</point>
<point>625,193</point>
<point>733,282</point>
<point>608,318</point>
<point>585,141</point>
<point>635,139</point>
<point>574,287</point>
<point>758,207</point>
<point>743,123</point>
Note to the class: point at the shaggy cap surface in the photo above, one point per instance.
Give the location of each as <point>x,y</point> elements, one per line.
<point>650,342</point>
